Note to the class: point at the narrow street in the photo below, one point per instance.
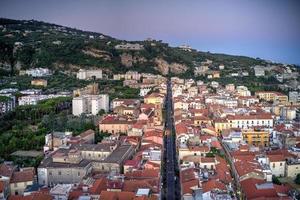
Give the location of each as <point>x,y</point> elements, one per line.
<point>170,175</point>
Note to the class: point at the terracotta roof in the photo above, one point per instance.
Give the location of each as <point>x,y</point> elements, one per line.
<point>208,160</point>
<point>187,175</point>
<point>34,196</point>
<point>216,144</point>
<point>199,148</point>
<point>109,195</point>
<point>276,158</point>
<point>186,186</point>
<point>213,185</point>
<point>1,186</point>
<point>140,174</point>
<point>133,163</point>
<point>255,188</point>
<point>116,120</point>
<point>134,185</point>
<point>98,186</point>
<point>181,128</point>
<point>87,132</point>
<point>6,170</point>
<point>22,176</point>
<point>246,167</point>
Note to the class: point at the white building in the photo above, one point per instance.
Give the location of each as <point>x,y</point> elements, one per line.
<point>7,103</point>
<point>249,121</point>
<point>145,91</point>
<point>294,97</point>
<point>38,72</point>
<point>90,104</point>
<point>129,46</point>
<point>88,74</point>
<point>243,91</point>
<point>61,191</point>
<point>259,70</point>
<point>277,165</point>
<point>34,99</point>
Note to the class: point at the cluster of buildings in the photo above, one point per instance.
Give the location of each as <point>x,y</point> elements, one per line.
<point>87,100</point>
<point>231,143</point>
<point>144,81</point>
<point>7,100</point>
<point>129,46</point>
<point>36,72</point>
<point>15,181</point>
<point>33,99</point>
<point>126,164</point>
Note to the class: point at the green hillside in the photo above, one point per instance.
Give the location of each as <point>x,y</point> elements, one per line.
<point>25,44</point>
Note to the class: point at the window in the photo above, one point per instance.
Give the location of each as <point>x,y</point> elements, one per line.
<point>50,173</point>
<point>273,165</point>
<point>59,173</point>
<point>78,173</point>
<point>280,164</point>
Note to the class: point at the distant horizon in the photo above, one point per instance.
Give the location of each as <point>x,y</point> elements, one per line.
<point>259,29</point>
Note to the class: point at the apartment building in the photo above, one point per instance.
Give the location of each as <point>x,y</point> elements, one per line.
<point>256,137</point>
<point>39,82</point>
<point>90,104</point>
<point>84,74</point>
<point>272,96</point>
<point>250,120</point>
<point>7,103</point>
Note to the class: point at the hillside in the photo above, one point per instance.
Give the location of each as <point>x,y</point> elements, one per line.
<point>25,44</point>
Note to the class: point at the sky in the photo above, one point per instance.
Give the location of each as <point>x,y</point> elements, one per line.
<point>269,29</point>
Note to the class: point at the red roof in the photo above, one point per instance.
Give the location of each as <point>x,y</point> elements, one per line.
<point>132,163</point>
<point>134,185</point>
<point>23,176</point>
<point>276,158</point>
<point>246,167</point>
<point>98,186</point>
<point>143,174</point>
<point>109,195</point>
<point>186,186</point>
<point>253,188</point>
<point>6,170</point>
<point>1,186</point>
<point>213,185</point>
<point>34,196</point>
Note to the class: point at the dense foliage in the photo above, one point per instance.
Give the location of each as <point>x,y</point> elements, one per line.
<point>62,48</point>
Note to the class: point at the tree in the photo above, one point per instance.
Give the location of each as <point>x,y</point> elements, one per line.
<point>276,180</point>
<point>101,112</point>
<point>297,180</point>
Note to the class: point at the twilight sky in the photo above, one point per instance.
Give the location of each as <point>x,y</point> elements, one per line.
<point>268,29</point>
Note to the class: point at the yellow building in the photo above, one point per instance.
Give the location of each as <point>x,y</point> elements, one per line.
<point>154,98</point>
<point>221,124</point>
<point>256,137</point>
<point>39,82</point>
<point>272,96</point>
<point>20,180</point>
<point>292,168</point>
<point>91,89</point>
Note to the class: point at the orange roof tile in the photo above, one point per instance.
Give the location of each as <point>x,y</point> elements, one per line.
<point>22,176</point>
<point>109,195</point>
<point>213,185</point>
